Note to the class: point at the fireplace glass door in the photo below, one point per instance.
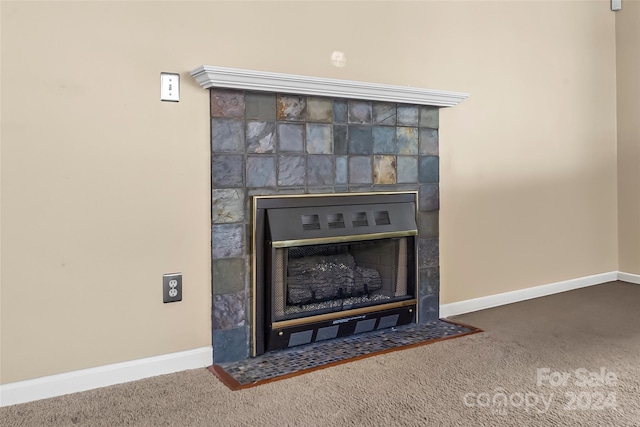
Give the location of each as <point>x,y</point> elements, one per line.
<point>318,279</point>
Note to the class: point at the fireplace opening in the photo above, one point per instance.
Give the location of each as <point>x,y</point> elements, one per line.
<point>328,266</point>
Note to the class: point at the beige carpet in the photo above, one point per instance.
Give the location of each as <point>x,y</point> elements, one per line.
<point>577,334</point>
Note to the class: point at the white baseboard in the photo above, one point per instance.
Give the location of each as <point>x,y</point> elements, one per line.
<point>496,300</point>
<point>102,376</point>
<point>628,277</point>
<point>117,373</point>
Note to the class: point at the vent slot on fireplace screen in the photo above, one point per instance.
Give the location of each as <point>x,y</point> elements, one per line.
<point>330,266</point>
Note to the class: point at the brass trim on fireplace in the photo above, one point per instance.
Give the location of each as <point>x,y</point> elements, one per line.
<point>342,239</point>
<point>345,313</point>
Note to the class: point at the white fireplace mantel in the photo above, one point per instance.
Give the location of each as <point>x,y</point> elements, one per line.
<point>235,78</point>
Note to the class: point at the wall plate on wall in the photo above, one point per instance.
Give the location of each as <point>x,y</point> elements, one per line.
<point>170,87</point>
<point>616,5</point>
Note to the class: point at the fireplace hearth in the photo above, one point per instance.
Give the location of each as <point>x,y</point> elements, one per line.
<point>328,266</point>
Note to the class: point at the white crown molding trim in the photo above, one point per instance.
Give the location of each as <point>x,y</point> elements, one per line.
<point>234,78</point>
<point>628,277</point>
<point>103,376</point>
<point>468,306</point>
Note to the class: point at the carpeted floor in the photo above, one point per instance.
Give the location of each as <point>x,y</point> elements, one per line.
<point>567,359</point>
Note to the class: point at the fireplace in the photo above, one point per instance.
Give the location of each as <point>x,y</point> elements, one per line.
<point>328,266</point>
<point>280,138</point>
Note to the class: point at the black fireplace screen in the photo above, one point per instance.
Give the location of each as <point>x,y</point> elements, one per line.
<point>318,279</point>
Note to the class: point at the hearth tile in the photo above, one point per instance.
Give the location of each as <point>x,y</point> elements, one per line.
<point>260,106</point>
<point>384,140</point>
<point>340,145</point>
<point>339,111</point>
<point>341,170</point>
<point>384,170</point>
<point>227,170</point>
<point>227,103</point>
<point>407,115</point>
<point>429,169</point>
<point>428,142</point>
<point>407,138</point>
<point>429,281</point>
<point>228,310</point>
<point>360,140</point>
<point>291,170</point>
<point>228,275</point>
<point>319,139</point>
<point>429,197</point>
<point>260,137</point>
<point>228,240</point>
<point>429,117</point>
<point>320,170</point>
<point>359,112</point>
<point>228,205</point>
<point>296,360</point>
<point>407,169</point>
<point>229,345</point>
<point>261,171</point>
<point>360,170</point>
<point>428,252</point>
<point>384,113</point>
<point>428,224</point>
<point>227,135</point>
<point>291,107</point>
<point>319,109</point>
<point>290,137</point>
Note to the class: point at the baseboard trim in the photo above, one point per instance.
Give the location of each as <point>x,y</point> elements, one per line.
<point>117,373</point>
<point>496,300</point>
<point>628,277</point>
<point>102,376</point>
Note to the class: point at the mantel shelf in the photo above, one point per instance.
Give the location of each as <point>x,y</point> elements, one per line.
<point>234,78</point>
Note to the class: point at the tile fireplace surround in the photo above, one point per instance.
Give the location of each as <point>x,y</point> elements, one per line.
<point>286,134</point>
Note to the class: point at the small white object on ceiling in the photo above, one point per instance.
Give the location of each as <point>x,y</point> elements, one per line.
<point>338,59</point>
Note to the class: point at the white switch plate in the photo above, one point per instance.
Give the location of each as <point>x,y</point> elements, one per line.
<point>170,87</point>
<point>616,5</point>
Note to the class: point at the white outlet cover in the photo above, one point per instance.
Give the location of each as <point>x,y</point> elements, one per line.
<point>170,87</point>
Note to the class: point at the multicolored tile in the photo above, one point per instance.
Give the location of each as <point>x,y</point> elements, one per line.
<point>292,108</point>
<point>407,169</point>
<point>359,112</point>
<point>227,103</point>
<point>260,106</point>
<point>319,138</point>
<point>260,137</point>
<point>384,169</point>
<point>319,110</point>
<point>291,170</point>
<point>291,137</point>
<point>360,170</point>
<point>407,115</point>
<point>227,135</point>
<point>261,171</point>
<point>320,170</point>
<point>227,170</point>
<point>429,142</point>
<point>407,139</point>
<point>384,113</point>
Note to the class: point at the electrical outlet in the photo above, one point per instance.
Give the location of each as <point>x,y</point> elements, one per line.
<point>172,287</point>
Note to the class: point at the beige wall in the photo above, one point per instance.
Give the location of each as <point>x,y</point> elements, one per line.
<point>105,188</point>
<point>628,73</point>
